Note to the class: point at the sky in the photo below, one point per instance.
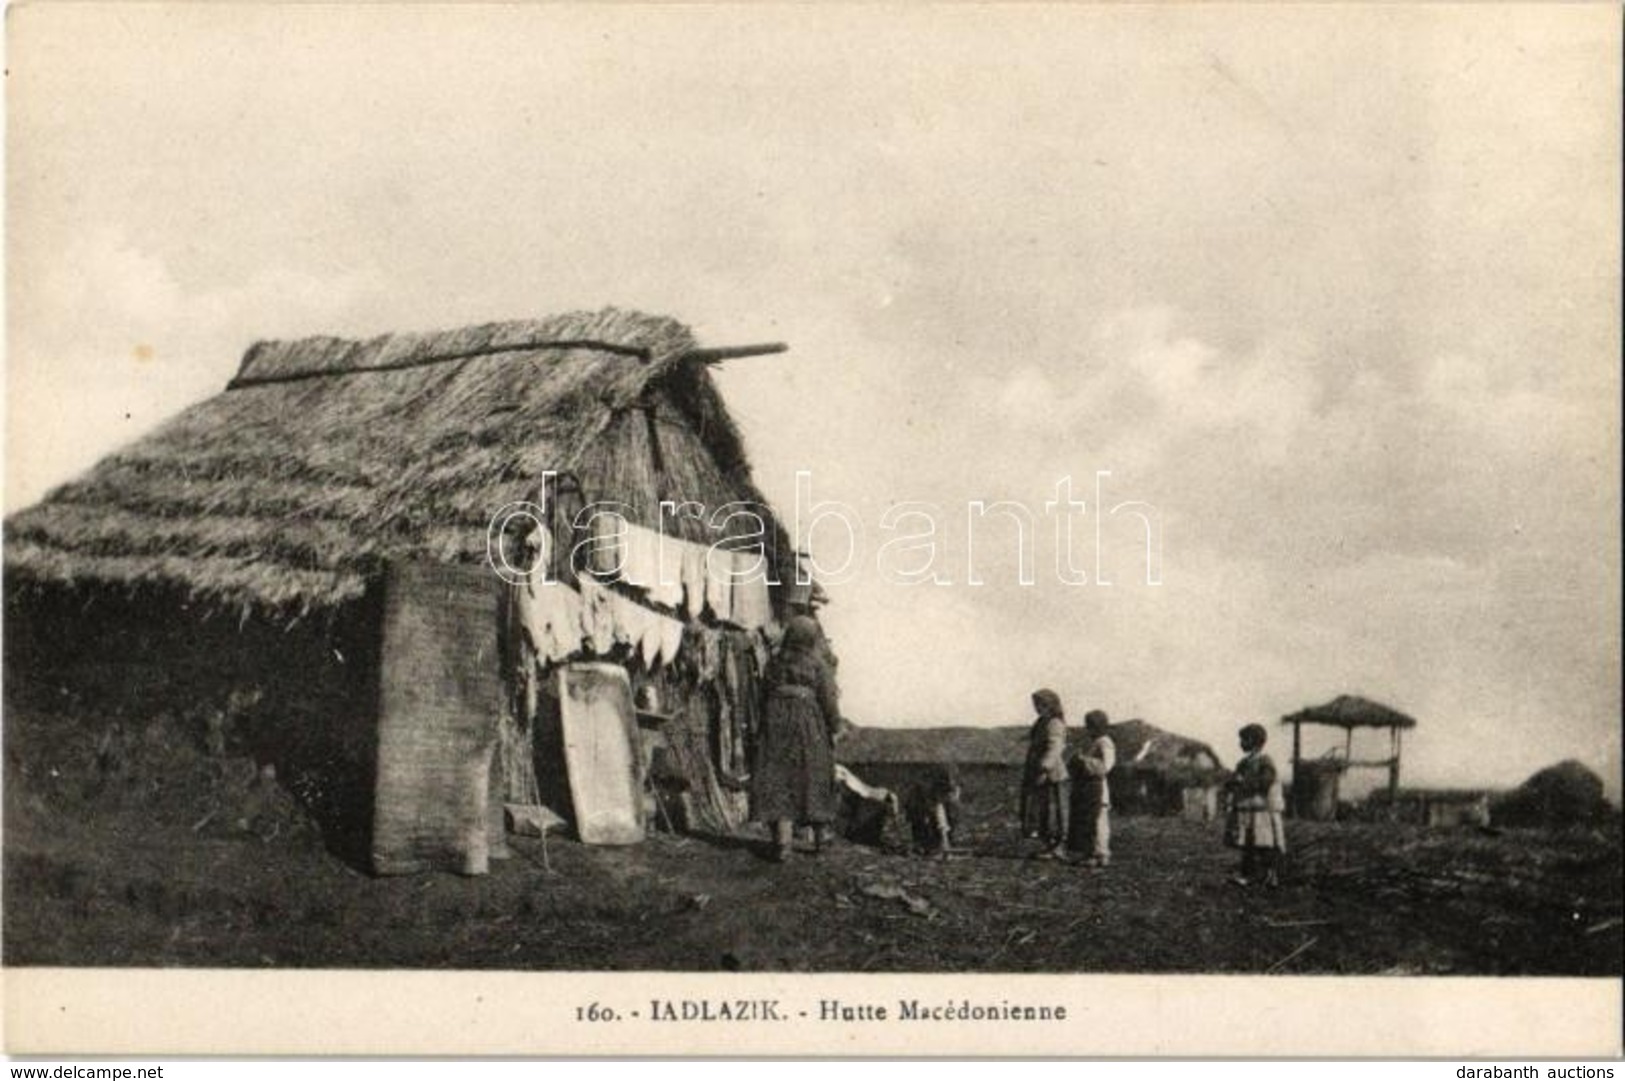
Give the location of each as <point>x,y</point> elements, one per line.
<point>1332,293</point>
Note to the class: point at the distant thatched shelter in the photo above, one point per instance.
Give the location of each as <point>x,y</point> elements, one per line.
<point>1315,782</point>
<point>320,531</point>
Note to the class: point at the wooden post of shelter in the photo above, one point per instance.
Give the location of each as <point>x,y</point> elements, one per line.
<point>1396,740</point>
<point>1297,758</point>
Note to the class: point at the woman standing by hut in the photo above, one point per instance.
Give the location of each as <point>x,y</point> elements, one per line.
<point>794,779</point>
<point>1044,779</point>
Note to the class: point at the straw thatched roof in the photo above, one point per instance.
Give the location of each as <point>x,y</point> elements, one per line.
<point>1352,711</point>
<point>963,745</point>
<point>1146,747</point>
<point>325,457</point>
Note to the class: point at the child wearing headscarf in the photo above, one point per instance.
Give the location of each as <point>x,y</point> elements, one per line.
<point>1254,823</point>
<point>1091,791</point>
<point>1044,780</point>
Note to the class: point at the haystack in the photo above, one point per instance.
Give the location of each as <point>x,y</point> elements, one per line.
<point>1565,794</point>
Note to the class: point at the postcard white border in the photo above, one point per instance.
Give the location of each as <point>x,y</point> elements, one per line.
<point>191,1012</point>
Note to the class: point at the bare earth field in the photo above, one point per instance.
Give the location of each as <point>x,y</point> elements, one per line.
<point>183,860</point>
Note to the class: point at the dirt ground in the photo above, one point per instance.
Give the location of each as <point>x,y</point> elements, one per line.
<point>200,863</point>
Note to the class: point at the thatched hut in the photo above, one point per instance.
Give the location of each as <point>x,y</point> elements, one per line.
<point>1430,806</point>
<point>1164,773</point>
<point>320,532</point>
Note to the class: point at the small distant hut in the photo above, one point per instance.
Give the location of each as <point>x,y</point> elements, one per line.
<point>1163,773</point>
<point>1315,782</point>
<point>1433,806</point>
<point>321,532</point>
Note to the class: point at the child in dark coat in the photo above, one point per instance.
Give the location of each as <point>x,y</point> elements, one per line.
<point>1254,823</point>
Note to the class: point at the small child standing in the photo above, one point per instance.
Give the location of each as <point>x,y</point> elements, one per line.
<point>1091,791</point>
<point>1254,823</point>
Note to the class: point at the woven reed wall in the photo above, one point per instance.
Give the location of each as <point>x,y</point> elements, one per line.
<point>440,696</point>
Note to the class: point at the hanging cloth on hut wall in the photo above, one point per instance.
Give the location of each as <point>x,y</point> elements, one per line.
<point>730,745</point>
<point>533,617</point>
<point>597,616</point>
<point>653,562</point>
<point>672,555</point>
<point>551,614</point>
<point>752,603</point>
<point>679,574</point>
<point>738,685</point>
<point>558,621</point>
<point>763,643</point>
<point>614,619</point>
<point>694,579</point>
<point>719,567</point>
<point>704,647</point>
<point>640,557</point>
<point>606,554</point>
<point>664,568</point>
<point>631,620</point>
<point>671,639</point>
<point>676,573</point>
<point>637,627</point>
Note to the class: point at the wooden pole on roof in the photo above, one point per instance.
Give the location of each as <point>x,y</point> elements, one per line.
<point>734,352</point>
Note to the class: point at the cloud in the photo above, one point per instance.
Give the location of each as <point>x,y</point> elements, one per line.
<point>109,341</point>
<point>102,276</point>
<point>1138,382</point>
<point>1326,529</point>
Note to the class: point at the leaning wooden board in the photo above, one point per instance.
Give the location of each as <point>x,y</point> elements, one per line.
<point>601,756</point>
